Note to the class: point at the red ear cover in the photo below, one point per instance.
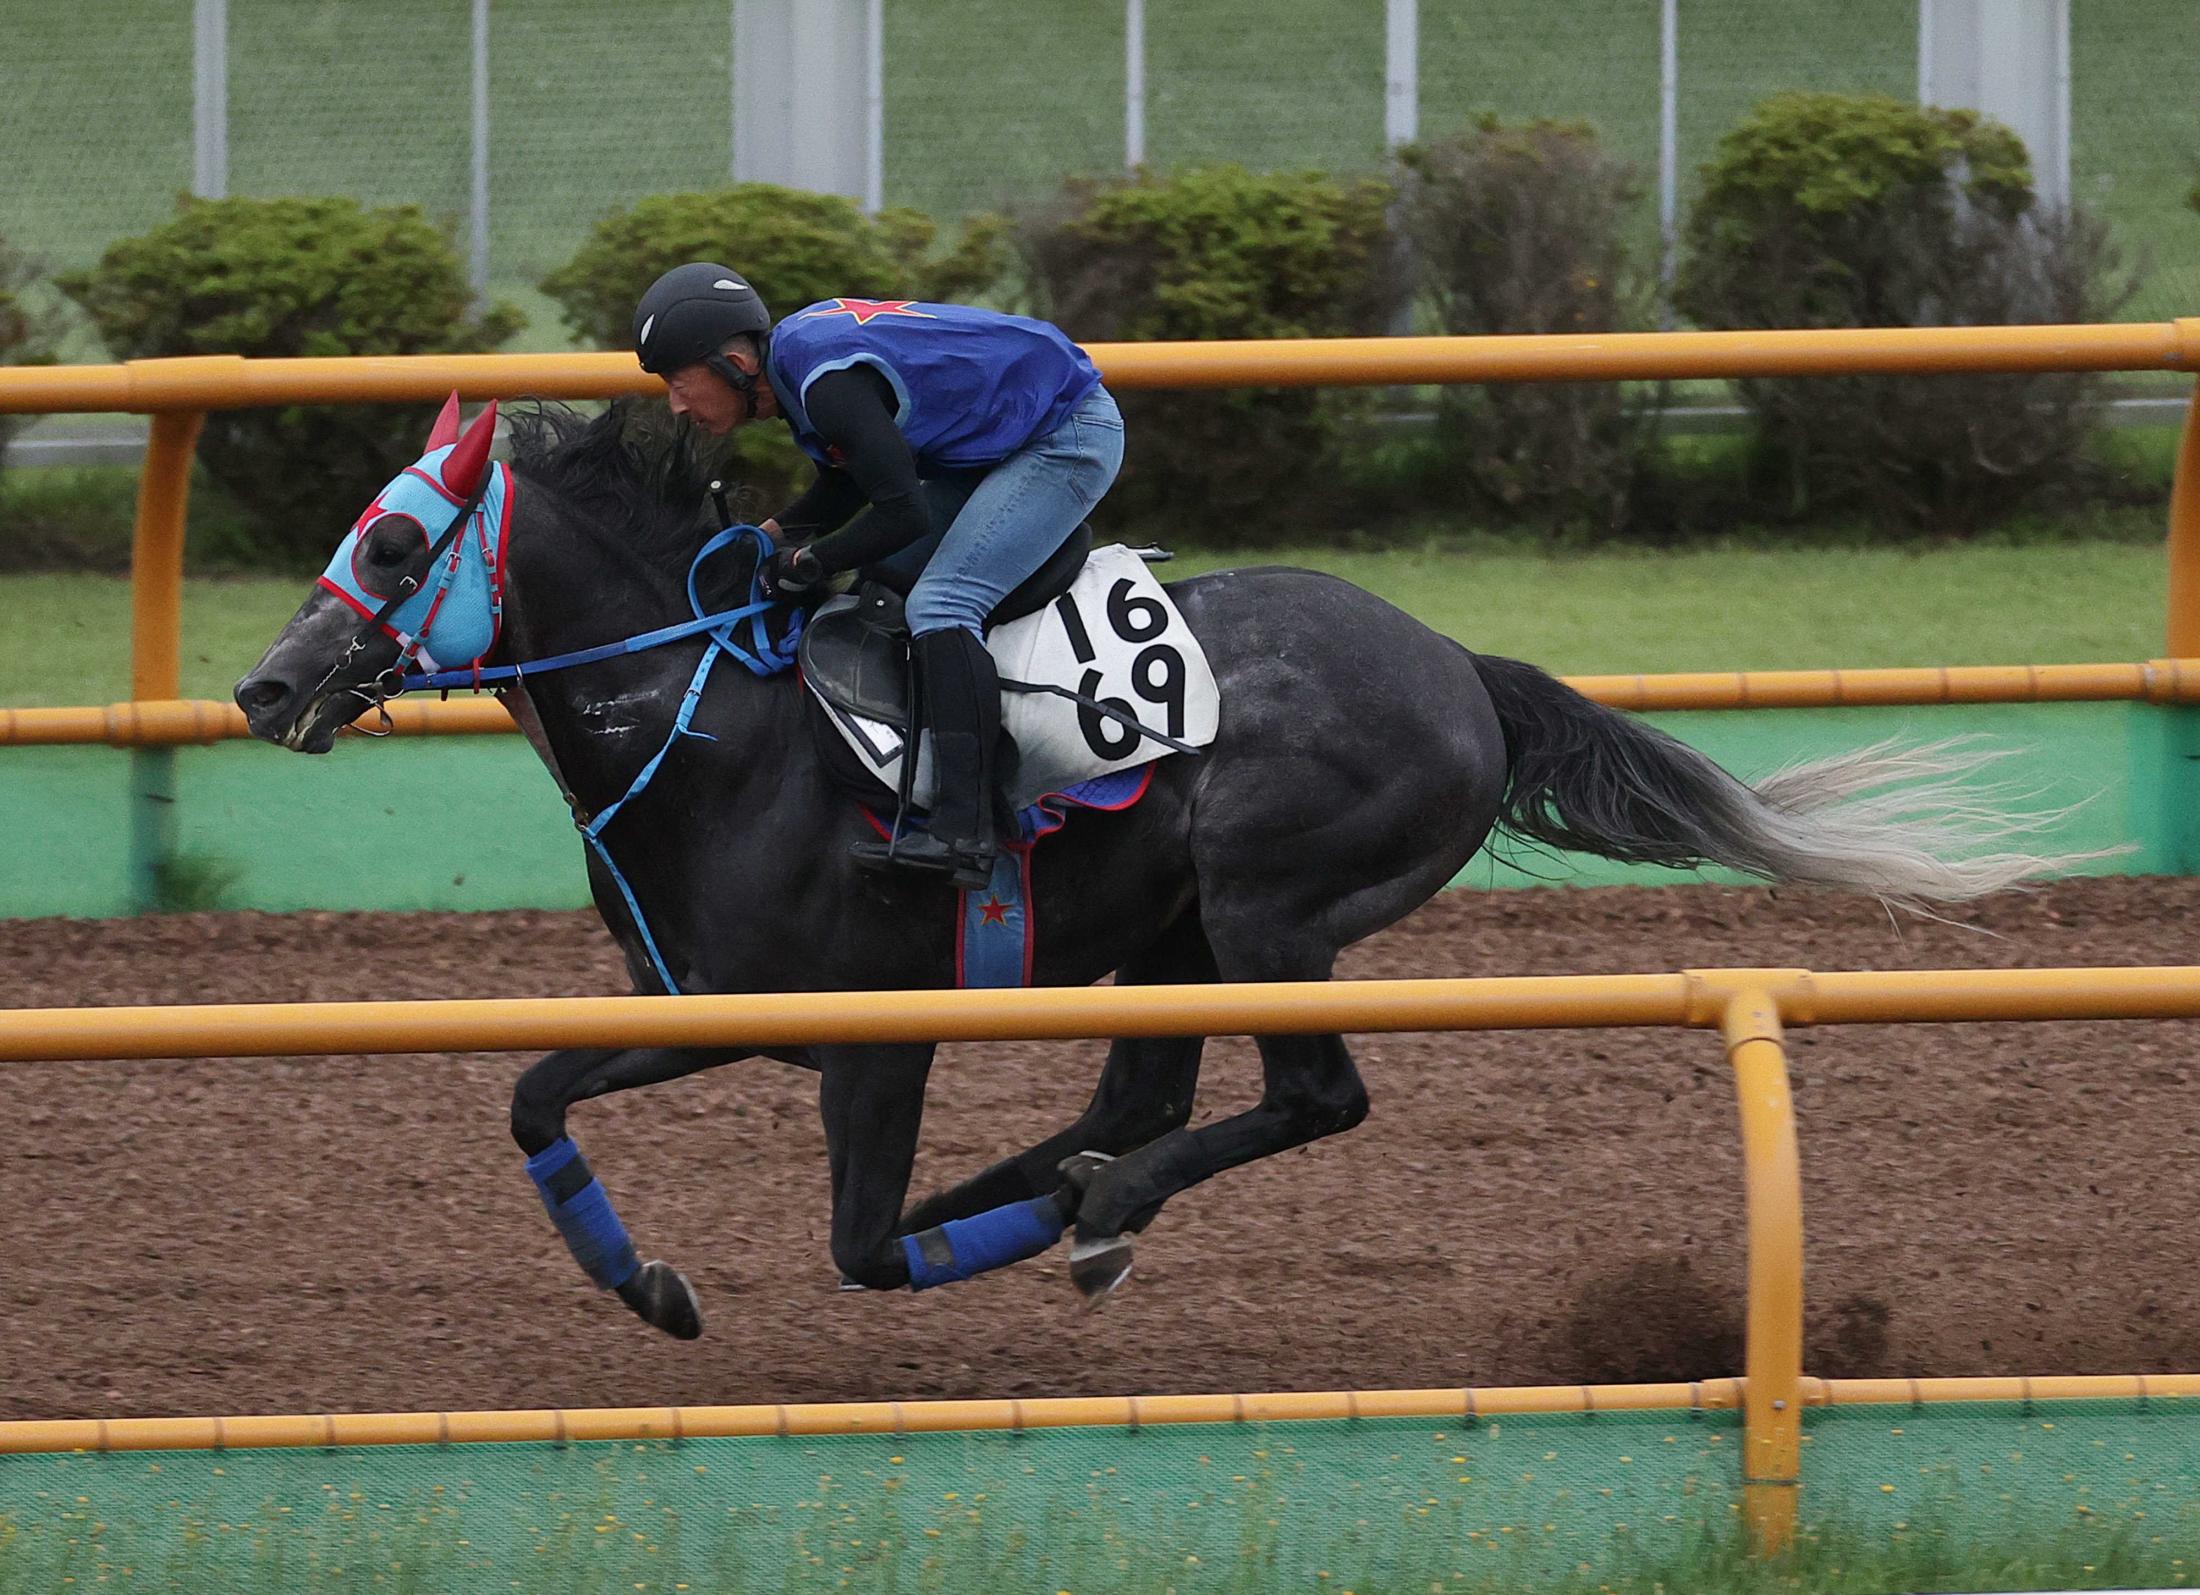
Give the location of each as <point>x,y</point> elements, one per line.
<point>463,466</point>
<point>445,430</point>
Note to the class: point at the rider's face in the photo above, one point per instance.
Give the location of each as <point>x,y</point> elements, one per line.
<point>700,393</point>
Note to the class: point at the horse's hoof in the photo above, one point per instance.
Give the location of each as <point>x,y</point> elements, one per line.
<point>662,1297</point>
<point>1078,1171</point>
<point>1097,1267</point>
<point>846,1284</point>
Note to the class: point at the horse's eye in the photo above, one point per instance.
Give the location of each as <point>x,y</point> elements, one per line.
<point>392,539</point>
<point>383,548</point>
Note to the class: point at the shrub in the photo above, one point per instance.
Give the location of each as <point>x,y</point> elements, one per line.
<point>1822,210</point>
<point>293,277</point>
<point>973,267</point>
<point>796,247</point>
<point>27,335</point>
<point>1522,230</point>
<point>1220,252</point>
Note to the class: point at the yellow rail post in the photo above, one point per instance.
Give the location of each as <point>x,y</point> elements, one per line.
<point>156,641</point>
<point>156,556</point>
<point>1772,1387</point>
<point>2184,520</point>
<point>2175,750</point>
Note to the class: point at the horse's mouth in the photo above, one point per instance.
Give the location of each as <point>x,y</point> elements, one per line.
<point>314,731</point>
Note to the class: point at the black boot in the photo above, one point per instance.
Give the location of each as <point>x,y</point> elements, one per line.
<point>959,701</point>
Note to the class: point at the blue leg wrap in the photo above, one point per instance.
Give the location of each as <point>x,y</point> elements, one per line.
<point>578,1205</point>
<point>964,1247</point>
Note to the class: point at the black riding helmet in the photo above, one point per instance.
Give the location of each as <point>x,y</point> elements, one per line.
<point>690,313</point>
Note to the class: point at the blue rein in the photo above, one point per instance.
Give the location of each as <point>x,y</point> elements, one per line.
<point>763,657</point>
<point>769,659</point>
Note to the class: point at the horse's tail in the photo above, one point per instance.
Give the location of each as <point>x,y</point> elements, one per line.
<point>1899,822</point>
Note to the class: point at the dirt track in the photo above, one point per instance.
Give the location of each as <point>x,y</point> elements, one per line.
<point>357,1233</point>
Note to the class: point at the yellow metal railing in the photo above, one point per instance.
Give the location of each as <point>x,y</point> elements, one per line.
<point>1750,1007</point>
<point>231,382</point>
<point>567,1425</point>
<point>175,392</point>
<point>175,722</point>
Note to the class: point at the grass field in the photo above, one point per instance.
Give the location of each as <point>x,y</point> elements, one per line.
<point>987,102</point>
<point>67,636</point>
<point>428,1549</point>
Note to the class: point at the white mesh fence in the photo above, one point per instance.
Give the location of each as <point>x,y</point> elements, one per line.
<point>2135,138</point>
<point>985,103</point>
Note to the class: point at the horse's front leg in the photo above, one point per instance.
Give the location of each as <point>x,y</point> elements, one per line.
<point>872,1099</point>
<point>575,1199</point>
<point>872,1102</point>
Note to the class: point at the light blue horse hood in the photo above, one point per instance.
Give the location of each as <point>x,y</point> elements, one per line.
<point>456,616</point>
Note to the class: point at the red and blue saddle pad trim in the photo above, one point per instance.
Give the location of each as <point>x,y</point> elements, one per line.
<point>995,929</point>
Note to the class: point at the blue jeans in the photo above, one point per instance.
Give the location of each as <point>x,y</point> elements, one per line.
<point>994,526</point>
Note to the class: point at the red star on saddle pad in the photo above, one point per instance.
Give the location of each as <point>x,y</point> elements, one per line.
<point>993,912</point>
<point>867,311</point>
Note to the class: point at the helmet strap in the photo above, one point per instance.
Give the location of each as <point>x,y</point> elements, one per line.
<point>742,382</point>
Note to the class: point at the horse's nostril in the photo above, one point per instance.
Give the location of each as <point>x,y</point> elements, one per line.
<point>262,694</point>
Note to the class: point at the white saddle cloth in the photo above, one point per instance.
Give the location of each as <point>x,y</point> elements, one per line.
<point>1114,637</point>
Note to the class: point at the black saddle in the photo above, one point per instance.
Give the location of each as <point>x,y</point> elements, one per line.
<point>857,654</point>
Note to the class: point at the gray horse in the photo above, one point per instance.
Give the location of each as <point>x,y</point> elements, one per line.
<point>1361,761</point>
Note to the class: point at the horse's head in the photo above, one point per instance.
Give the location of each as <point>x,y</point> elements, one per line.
<point>412,580</point>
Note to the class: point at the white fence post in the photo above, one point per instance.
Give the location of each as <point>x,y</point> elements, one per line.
<point>1669,151</point>
<point>874,107</point>
<point>2010,59</point>
<point>1401,73</point>
<point>1402,121</point>
<point>210,99</point>
<point>477,266</point>
<point>800,105</point>
<point>1134,84</point>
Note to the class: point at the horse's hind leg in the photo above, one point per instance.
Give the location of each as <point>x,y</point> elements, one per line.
<point>1310,1090</point>
<point>570,1191</point>
<point>1144,1091</point>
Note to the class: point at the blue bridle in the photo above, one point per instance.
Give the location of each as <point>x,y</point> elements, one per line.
<point>767,659</point>
<point>761,655</point>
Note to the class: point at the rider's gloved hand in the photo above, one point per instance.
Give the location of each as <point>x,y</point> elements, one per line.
<point>792,575</point>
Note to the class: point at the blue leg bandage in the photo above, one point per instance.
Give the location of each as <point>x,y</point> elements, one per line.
<point>964,1247</point>
<point>582,1212</point>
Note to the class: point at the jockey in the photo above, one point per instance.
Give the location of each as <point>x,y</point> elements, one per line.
<point>975,442</point>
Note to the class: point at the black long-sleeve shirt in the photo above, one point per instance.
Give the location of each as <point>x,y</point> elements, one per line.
<point>852,410</point>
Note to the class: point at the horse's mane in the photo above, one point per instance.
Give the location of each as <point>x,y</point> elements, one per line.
<point>639,481</point>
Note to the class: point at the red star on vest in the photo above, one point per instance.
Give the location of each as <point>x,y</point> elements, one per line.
<point>993,912</point>
<point>867,311</point>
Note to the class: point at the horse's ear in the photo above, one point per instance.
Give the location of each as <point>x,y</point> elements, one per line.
<point>445,430</point>
<point>462,467</point>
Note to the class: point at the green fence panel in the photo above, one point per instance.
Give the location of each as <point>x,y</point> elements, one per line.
<point>2088,1484</point>
<point>475,823</point>
<point>1405,1504</point>
<point>1948,1496</point>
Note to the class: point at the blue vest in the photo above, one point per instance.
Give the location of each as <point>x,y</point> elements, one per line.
<point>971,387</point>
